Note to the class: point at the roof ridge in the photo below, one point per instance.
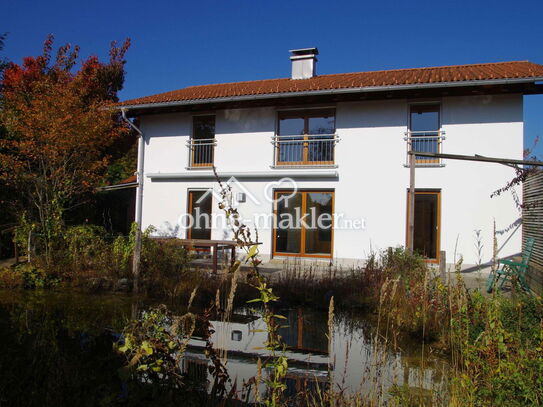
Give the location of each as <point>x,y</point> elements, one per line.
<point>432,67</point>
<point>401,76</point>
<point>234,83</point>
<point>356,72</point>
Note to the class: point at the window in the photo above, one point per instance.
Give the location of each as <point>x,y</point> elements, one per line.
<point>305,137</point>
<point>424,133</point>
<point>304,224</point>
<point>237,335</point>
<point>202,142</point>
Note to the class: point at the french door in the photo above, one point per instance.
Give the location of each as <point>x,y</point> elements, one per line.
<point>427,224</point>
<point>303,223</point>
<point>199,209</point>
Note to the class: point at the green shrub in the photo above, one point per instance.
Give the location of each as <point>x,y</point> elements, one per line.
<point>86,247</point>
<point>35,277</point>
<point>501,358</point>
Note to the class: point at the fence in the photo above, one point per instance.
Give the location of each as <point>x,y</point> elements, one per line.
<point>315,149</point>
<point>532,226</point>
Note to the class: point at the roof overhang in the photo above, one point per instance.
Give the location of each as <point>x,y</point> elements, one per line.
<point>491,86</point>
<point>251,175</point>
<point>118,186</point>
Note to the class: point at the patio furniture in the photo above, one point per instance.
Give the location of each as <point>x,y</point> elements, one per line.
<point>512,270</point>
<point>215,246</point>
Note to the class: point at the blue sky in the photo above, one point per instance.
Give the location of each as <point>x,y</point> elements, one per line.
<point>177,43</point>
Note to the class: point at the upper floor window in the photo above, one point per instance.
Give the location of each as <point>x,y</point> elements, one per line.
<point>425,133</point>
<point>202,142</point>
<point>305,138</point>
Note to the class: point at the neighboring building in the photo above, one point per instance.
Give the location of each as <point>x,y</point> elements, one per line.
<point>117,205</point>
<point>342,140</point>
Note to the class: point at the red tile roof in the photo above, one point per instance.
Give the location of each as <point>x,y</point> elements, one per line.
<point>434,75</point>
<point>129,180</point>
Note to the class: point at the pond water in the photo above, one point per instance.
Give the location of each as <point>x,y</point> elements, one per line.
<point>57,349</point>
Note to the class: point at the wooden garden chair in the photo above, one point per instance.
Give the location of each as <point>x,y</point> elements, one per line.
<point>513,270</point>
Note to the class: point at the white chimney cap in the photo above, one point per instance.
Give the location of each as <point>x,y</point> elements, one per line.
<point>304,51</point>
<point>304,61</point>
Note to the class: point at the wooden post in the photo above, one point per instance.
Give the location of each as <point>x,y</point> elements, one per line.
<point>443,266</point>
<point>15,249</point>
<point>214,247</point>
<point>300,326</point>
<point>136,260</point>
<point>29,245</point>
<point>411,215</point>
<point>232,255</point>
<point>139,205</point>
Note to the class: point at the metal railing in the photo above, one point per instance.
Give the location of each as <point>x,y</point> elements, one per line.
<point>201,152</point>
<point>424,142</point>
<point>308,149</point>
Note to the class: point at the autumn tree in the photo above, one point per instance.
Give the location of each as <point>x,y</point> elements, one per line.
<point>7,218</point>
<point>60,122</point>
<point>3,61</point>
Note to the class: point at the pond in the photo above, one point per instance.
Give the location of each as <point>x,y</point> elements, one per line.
<point>57,349</point>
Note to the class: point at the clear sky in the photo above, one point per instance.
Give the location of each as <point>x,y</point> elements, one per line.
<point>181,43</point>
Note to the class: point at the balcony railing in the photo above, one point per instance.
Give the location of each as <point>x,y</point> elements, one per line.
<point>425,142</point>
<point>201,152</point>
<point>309,149</point>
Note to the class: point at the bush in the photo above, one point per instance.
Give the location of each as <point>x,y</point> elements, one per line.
<point>501,356</point>
<point>9,278</point>
<point>87,248</point>
<point>86,255</point>
<point>26,276</point>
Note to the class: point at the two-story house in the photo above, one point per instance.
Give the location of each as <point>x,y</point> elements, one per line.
<point>330,150</point>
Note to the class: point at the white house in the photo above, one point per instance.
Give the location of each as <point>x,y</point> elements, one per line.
<point>333,148</point>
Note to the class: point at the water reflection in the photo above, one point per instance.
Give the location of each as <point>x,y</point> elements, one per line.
<point>57,350</point>
<point>353,361</point>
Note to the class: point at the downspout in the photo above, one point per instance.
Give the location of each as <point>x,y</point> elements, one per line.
<point>139,202</point>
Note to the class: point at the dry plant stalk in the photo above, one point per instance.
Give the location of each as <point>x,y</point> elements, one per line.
<point>278,364</point>
<point>494,248</point>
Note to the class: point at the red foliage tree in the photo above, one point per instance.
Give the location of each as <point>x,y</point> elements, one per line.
<point>60,123</point>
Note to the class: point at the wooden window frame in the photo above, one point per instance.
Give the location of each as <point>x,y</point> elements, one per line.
<point>302,253</point>
<point>438,237</point>
<point>305,115</point>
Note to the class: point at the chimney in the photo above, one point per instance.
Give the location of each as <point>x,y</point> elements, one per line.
<point>304,63</point>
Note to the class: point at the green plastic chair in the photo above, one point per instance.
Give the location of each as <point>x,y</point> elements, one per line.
<point>512,269</point>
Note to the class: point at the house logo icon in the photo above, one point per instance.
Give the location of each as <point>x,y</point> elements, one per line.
<point>268,191</point>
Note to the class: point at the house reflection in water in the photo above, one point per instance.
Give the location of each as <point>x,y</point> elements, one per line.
<point>353,363</point>
<point>245,336</point>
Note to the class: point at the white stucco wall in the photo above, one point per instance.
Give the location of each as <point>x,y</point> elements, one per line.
<point>372,181</point>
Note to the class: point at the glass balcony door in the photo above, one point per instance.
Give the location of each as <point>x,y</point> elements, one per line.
<point>424,131</point>
<point>199,208</point>
<point>306,137</point>
<point>304,223</point>
<point>202,142</point>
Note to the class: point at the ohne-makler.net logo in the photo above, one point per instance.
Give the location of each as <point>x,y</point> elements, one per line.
<point>285,183</point>
<point>266,221</point>
<point>288,218</point>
